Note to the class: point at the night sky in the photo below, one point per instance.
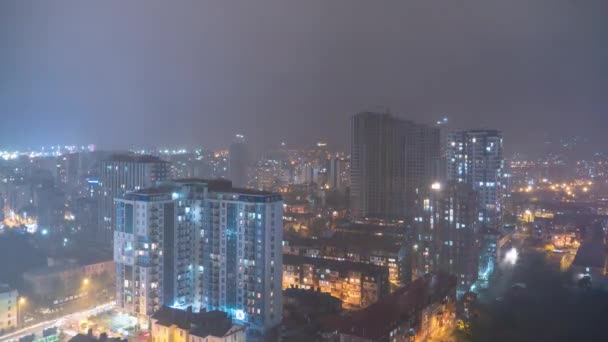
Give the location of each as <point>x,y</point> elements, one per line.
<point>118,73</point>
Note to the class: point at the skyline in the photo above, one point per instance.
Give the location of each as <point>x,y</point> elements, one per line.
<point>283,170</point>
<point>120,75</point>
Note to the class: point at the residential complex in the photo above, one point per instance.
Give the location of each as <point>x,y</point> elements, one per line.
<point>357,284</point>
<point>416,312</point>
<point>365,248</point>
<point>203,244</point>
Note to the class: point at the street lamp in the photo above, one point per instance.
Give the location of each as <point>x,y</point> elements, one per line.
<point>20,302</point>
<point>85,281</point>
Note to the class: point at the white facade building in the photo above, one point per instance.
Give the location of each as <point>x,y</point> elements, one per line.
<point>202,244</point>
<point>9,310</point>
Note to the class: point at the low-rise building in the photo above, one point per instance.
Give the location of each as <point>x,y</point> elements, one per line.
<point>420,311</point>
<point>302,311</point>
<point>9,309</point>
<point>309,303</point>
<point>175,325</point>
<point>66,279</point>
<point>357,284</point>
<point>366,248</point>
<point>50,283</point>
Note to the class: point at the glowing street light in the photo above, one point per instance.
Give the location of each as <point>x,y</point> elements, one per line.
<point>85,281</point>
<point>20,302</point>
<point>511,256</point>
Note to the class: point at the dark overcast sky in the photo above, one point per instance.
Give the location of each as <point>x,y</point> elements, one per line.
<point>119,73</point>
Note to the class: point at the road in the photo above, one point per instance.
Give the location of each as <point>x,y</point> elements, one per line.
<point>545,306</point>
<point>56,322</point>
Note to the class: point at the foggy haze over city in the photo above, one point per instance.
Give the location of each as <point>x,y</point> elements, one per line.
<point>303,171</point>
<point>121,74</point>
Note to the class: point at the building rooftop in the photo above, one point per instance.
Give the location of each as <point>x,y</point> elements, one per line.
<point>217,324</point>
<point>156,190</point>
<point>43,271</point>
<point>374,322</point>
<point>134,158</point>
<point>83,255</point>
<point>359,243</point>
<point>341,266</point>
<point>478,131</point>
<point>312,298</point>
<point>217,184</point>
<point>91,338</point>
<point>5,288</point>
<point>378,229</point>
<point>202,324</point>
<point>251,192</point>
<point>214,185</point>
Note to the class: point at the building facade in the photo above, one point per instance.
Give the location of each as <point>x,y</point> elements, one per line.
<point>9,302</point>
<point>447,233</point>
<point>356,284</point>
<point>337,173</point>
<point>488,255</point>
<point>239,161</point>
<point>120,174</point>
<point>475,157</point>
<point>420,311</point>
<point>150,269</point>
<point>390,159</point>
<point>203,244</point>
<point>364,248</point>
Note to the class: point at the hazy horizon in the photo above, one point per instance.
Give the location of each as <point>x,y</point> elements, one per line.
<point>138,73</point>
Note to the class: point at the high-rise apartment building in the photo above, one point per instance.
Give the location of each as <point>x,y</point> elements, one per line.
<point>446,231</point>
<point>336,178</point>
<point>475,157</point>
<point>203,244</point>
<point>391,159</point>
<point>120,174</point>
<point>239,161</point>
<point>242,263</point>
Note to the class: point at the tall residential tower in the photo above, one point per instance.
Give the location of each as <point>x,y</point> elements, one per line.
<point>239,161</point>
<point>446,230</point>
<point>120,174</point>
<point>203,244</point>
<point>475,157</point>
<point>391,159</point>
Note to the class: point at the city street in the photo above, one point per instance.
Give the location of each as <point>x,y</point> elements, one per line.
<point>58,322</point>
